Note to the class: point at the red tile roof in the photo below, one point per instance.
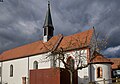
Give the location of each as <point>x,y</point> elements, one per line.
<point>68,42</point>
<point>78,40</point>
<point>116,62</point>
<point>99,58</point>
<point>29,49</point>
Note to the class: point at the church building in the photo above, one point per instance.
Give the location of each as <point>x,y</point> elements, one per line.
<point>15,64</point>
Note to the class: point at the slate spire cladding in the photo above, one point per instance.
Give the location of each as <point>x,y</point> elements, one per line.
<point>48,26</point>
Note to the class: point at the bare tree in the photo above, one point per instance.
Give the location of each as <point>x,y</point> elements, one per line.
<point>97,43</point>
<point>78,59</point>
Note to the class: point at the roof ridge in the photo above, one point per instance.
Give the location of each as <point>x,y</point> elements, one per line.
<point>80,32</point>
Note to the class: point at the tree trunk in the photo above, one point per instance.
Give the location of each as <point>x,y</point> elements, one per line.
<point>71,77</point>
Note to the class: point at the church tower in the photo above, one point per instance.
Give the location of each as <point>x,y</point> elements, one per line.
<point>48,26</point>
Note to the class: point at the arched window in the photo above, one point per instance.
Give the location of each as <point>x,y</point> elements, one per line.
<point>70,62</point>
<point>11,70</point>
<point>99,72</point>
<point>35,65</point>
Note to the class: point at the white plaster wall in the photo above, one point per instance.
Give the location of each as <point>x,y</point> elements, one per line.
<point>38,58</point>
<point>83,76</point>
<point>83,57</point>
<point>21,66</point>
<point>106,69</point>
<point>20,69</point>
<point>0,64</point>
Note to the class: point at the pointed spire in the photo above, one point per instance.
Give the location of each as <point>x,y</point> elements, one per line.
<point>48,26</point>
<point>48,19</point>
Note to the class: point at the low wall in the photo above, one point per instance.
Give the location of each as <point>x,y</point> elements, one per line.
<point>49,76</point>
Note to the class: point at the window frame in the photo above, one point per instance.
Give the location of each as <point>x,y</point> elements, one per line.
<point>99,72</point>
<point>35,65</point>
<point>11,70</point>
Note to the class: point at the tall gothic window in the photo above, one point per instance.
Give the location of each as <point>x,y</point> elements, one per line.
<point>70,62</point>
<point>99,72</point>
<point>35,65</point>
<point>11,70</point>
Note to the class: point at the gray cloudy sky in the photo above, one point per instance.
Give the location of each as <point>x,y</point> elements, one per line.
<point>21,21</point>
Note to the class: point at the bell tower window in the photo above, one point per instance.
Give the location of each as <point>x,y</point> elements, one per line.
<point>45,32</point>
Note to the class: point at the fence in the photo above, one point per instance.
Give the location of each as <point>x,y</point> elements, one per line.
<point>104,81</point>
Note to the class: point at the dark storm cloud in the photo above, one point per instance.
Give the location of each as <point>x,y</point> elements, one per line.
<point>112,51</point>
<point>21,21</point>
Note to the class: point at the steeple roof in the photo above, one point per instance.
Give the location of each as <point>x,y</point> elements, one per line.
<point>48,19</point>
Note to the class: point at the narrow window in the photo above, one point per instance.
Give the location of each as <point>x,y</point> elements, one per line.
<point>45,33</point>
<point>11,70</point>
<point>99,72</point>
<point>35,65</point>
<point>50,32</point>
<point>0,71</point>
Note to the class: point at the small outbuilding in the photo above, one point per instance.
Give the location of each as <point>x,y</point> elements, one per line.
<point>100,69</point>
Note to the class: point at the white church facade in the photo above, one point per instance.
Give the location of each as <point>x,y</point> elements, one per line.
<point>15,64</point>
